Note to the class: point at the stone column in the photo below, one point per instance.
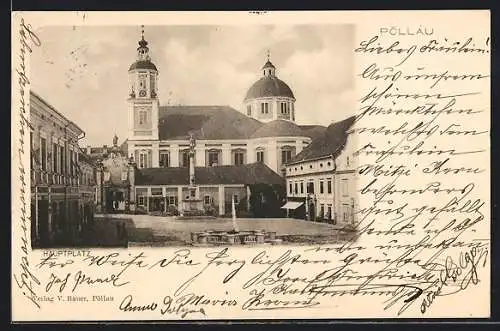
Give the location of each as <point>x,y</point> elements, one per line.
<point>222,202</point>
<point>249,194</point>
<point>49,216</point>
<point>179,199</point>
<point>148,195</point>
<point>191,169</point>
<point>131,181</point>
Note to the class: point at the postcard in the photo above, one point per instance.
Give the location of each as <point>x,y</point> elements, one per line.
<point>250,165</point>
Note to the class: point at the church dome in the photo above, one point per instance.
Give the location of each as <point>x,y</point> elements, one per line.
<point>279,128</point>
<point>143,64</point>
<point>269,86</point>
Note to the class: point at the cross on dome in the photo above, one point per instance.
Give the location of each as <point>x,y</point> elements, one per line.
<point>269,70</point>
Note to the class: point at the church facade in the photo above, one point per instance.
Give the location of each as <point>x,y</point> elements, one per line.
<point>265,132</point>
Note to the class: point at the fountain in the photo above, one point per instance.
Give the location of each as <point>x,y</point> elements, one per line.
<point>233,237</point>
<point>192,208</point>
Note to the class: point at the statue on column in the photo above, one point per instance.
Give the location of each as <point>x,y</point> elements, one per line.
<point>192,145</point>
<point>115,140</point>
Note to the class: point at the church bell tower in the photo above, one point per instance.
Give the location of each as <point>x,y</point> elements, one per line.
<point>143,95</point>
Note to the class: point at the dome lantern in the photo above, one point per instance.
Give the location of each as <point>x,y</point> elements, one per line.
<point>269,70</point>
<point>270,98</point>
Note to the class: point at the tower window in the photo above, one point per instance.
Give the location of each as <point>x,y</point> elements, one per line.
<point>152,82</point>
<point>284,108</point>
<point>264,108</point>
<point>143,159</point>
<point>143,117</point>
<point>249,110</point>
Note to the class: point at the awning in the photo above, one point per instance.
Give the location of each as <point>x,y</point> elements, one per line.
<point>292,205</point>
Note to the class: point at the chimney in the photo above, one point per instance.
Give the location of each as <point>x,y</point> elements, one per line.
<point>89,149</point>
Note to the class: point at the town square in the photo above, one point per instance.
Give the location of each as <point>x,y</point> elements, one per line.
<point>190,174</point>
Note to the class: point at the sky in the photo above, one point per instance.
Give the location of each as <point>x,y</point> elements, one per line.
<point>83,71</point>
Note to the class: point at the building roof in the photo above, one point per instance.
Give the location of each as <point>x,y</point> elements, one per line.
<point>313,131</point>
<point>268,64</point>
<point>279,128</point>
<point>330,143</point>
<point>248,174</point>
<point>269,86</point>
<point>64,118</point>
<point>143,64</point>
<point>208,122</point>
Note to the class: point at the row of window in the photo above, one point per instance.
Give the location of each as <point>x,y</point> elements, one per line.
<point>285,108</point>
<point>346,213</point>
<point>290,170</point>
<point>297,187</point>
<point>53,159</point>
<point>213,158</point>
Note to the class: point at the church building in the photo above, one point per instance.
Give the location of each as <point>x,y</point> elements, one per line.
<point>265,131</point>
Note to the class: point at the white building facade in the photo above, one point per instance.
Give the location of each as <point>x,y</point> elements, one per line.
<point>321,181</point>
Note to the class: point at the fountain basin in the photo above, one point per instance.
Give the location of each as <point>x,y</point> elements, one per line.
<point>233,237</point>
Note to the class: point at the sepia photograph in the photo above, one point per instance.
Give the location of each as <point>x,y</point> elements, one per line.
<point>305,165</point>
<point>192,135</point>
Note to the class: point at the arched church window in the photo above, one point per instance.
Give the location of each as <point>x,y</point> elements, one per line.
<point>238,156</point>
<point>287,152</point>
<point>260,155</point>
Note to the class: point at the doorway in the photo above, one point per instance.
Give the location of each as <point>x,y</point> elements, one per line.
<point>156,204</point>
